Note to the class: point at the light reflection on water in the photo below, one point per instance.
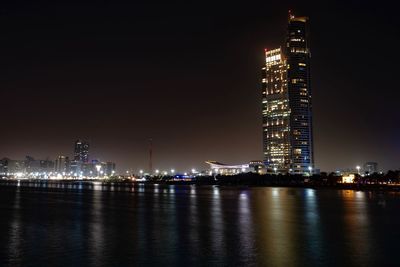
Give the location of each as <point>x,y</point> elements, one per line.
<point>245,227</point>
<point>15,231</point>
<point>313,225</point>
<point>357,226</point>
<point>93,224</point>
<point>216,233</point>
<point>96,235</point>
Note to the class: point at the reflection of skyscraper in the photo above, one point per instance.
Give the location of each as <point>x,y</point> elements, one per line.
<point>287,110</point>
<point>81,151</point>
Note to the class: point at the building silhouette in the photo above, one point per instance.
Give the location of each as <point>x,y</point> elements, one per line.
<point>286,103</point>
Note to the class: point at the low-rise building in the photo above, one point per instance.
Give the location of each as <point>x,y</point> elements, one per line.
<point>225,169</point>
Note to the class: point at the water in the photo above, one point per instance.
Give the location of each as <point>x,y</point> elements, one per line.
<point>157,225</point>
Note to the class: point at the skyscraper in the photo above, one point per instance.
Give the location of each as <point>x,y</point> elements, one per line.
<point>81,151</point>
<point>62,164</point>
<point>286,104</point>
<point>370,168</point>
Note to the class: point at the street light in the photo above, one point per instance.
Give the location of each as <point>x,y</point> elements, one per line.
<point>172,171</point>
<point>141,172</point>
<point>275,169</point>
<point>157,172</point>
<point>310,169</point>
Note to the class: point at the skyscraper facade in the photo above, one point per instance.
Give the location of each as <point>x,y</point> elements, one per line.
<point>286,104</point>
<point>81,151</point>
<point>62,164</point>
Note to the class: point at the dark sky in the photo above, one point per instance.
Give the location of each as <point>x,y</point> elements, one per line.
<point>187,74</point>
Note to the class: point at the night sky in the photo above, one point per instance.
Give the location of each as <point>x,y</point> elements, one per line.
<point>188,75</point>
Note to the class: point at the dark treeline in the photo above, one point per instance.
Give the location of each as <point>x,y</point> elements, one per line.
<point>391,177</point>
<point>323,179</point>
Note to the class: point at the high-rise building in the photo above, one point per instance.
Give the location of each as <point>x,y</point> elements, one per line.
<point>81,151</point>
<point>12,167</point>
<point>75,167</point>
<point>110,168</point>
<point>38,166</point>
<point>370,168</point>
<point>32,165</point>
<point>286,104</point>
<point>4,169</point>
<point>62,165</point>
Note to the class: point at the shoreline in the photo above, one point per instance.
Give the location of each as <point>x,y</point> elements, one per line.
<point>91,184</point>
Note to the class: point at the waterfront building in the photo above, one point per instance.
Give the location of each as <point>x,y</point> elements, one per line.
<point>37,166</point>
<point>348,178</point>
<point>97,168</point>
<point>13,167</point>
<point>286,103</point>
<point>32,165</point>
<point>226,169</point>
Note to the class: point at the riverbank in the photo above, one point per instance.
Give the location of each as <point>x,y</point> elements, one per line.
<point>104,184</point>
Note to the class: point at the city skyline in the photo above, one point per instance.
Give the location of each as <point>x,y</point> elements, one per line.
<point>126,79</point>
<point>82,164</point>
<point>79,165</point>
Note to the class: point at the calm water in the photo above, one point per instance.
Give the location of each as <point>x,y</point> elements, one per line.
<point>198,226</point>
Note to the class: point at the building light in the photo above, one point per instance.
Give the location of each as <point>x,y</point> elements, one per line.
<point>348,179</point>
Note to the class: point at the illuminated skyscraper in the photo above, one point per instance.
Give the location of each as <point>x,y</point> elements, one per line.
<point>81,151</point>
<point>287,109</point>
<point>276,112</point>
